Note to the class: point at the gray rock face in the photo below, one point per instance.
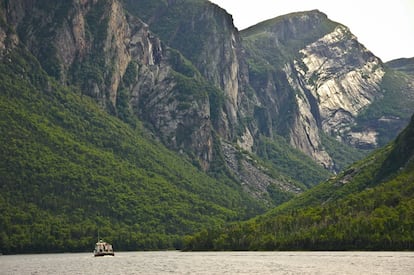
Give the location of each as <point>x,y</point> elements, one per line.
<point>304,133</point>
<point>284,95</point>
<point>253,177</point>
<point>181,124</point>
<point>97,60</point>
<point>314,78</point>
<point>213,45</point>
<point>344,78</point>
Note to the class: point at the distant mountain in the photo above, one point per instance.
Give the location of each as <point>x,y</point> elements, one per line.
<point>180,119</point>
<point>405,65</point>
<point>369,206</point>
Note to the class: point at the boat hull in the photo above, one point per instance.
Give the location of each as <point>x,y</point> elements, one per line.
<point>100,254</point>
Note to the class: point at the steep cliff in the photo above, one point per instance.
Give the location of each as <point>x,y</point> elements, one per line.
<point>204,33</point>
<point>271,47</point>
<point>333,85</point>
<point>344,78</point>
<point>114,58</point>
<point>183,95</point>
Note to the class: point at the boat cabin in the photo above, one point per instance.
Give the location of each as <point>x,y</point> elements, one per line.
<point>103,248</point>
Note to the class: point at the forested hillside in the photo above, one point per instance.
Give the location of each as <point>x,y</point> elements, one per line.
<point>69,170</point>
<point>369,206</point>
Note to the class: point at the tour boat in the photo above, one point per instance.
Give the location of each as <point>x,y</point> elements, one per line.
<point>103,249</point>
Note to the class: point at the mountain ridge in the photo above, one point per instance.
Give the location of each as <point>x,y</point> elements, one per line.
<point>332,63</point>
<point>402,64</point>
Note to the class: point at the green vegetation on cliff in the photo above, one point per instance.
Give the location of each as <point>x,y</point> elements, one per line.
<point>392,111</point>
<point>290,161</point>
<point>290,33</point>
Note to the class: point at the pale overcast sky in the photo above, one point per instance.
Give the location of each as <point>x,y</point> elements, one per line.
<point>385,27</point>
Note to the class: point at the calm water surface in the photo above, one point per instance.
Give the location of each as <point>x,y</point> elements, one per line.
<point>212,263</point>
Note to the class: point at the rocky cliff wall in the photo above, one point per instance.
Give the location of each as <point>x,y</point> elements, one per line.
<point>328,79</point>
<point>92,44</point>
<point>344,78</point>
<point>207,37</point>
<point>282,93</point>
<point>304,133</point>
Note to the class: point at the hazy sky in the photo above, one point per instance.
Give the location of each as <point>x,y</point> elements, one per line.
<point>385,27</point>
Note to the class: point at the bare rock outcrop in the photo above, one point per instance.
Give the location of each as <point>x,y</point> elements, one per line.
<point>344,78</point>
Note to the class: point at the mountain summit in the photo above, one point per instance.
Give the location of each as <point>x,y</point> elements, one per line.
<point>333,80</point>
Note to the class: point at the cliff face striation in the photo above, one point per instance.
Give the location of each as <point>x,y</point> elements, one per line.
<point>207,37</point>
<point>343,78</point>
<point>331,82</point>
<point>115,58</point>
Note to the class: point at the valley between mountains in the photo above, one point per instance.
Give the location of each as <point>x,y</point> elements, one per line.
<point>160,125</point>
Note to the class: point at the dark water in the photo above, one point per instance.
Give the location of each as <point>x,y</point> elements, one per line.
<point>212,263</point>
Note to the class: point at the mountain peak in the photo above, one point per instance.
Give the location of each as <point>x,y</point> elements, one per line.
<point>311,16</point>
<point>306,26</point>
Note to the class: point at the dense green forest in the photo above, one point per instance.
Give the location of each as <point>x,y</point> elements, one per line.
<point>69,168</point>
<point>369,206</point>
